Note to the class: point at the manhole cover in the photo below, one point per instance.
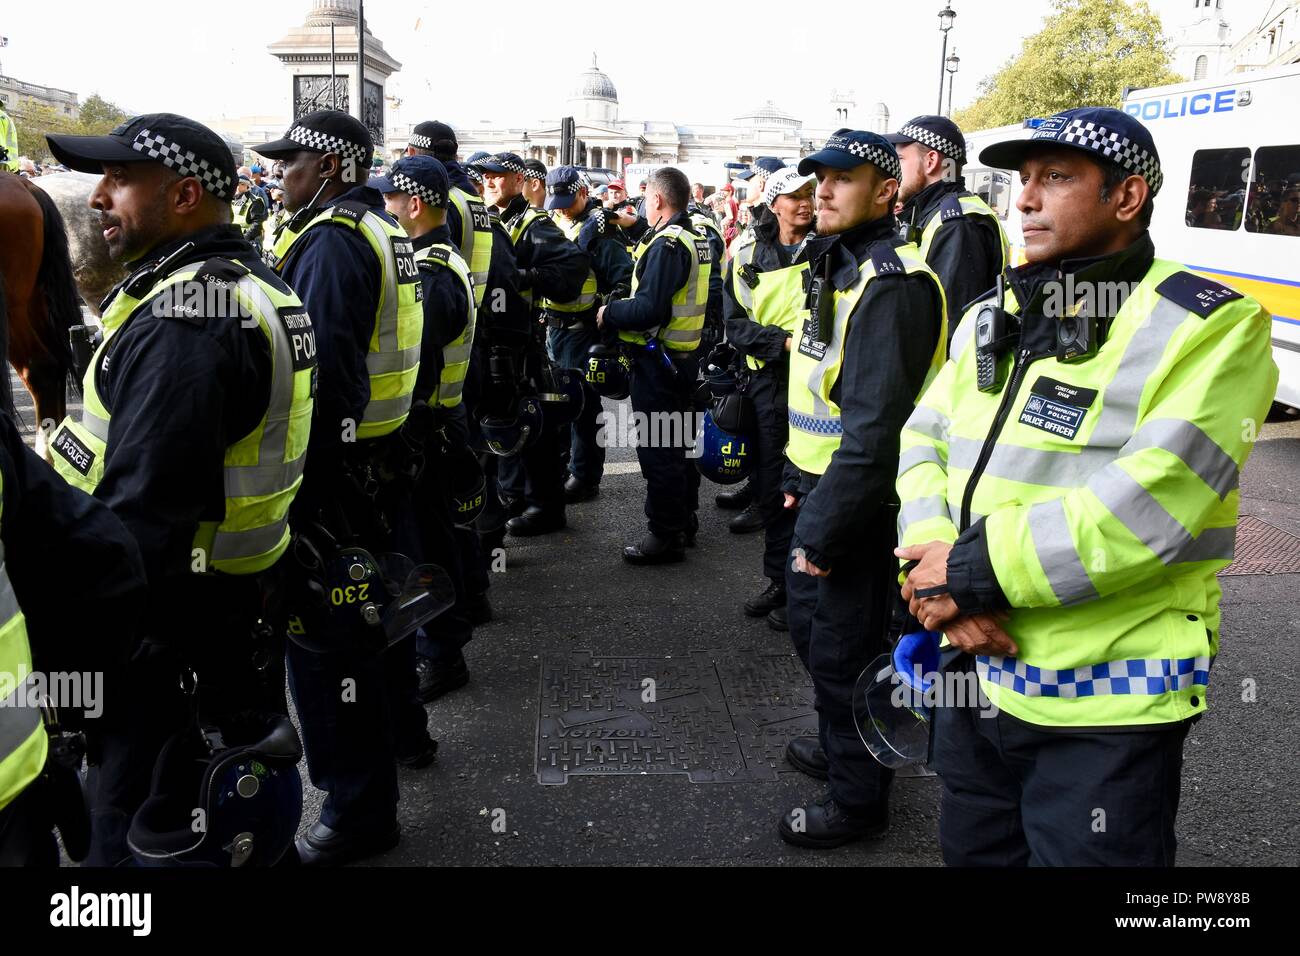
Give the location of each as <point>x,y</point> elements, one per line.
<point>713,716</point>
<point>1264,549</point>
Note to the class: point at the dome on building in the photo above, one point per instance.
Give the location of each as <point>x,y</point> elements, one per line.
<point>592,84</point>
<point>878,118</point>
<point>767,116</point>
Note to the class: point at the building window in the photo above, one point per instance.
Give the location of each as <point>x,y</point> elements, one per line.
<point>1275,193</point>
<point>1202,67</point>
<point>1217,191</point>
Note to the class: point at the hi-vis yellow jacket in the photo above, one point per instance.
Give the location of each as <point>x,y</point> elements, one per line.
<point>1109,494</point>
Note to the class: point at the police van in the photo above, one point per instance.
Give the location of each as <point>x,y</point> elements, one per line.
<point>1230,205</point>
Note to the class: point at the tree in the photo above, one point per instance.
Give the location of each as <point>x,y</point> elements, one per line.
<point>1087,52</point>
<point>34,120</point>
<point>98,116</point>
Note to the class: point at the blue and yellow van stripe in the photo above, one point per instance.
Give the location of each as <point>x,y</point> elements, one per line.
<point>1280,296</point>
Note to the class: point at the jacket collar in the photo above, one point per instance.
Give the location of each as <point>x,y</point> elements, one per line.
<point>211,241</point>
<point>516,208</point>
<point>926,203</point>
<point>441,236</point>
<point>1128,266</point>
<point>839,257</point>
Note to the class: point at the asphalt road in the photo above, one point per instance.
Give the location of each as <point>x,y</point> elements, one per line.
<point>569,595</point>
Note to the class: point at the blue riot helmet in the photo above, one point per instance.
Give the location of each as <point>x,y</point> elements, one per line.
<point>561,392</point>
<point>508,435</point>
<point>609,371</point>
<point>892,701</point>
<point>222,797</point>
<point>722,458</point>
<point>467,484</point>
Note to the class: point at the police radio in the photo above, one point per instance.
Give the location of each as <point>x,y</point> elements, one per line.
<point>910,231</point>
<point>996,332</point>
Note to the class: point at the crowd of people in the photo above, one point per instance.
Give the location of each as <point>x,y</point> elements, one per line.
<point>421,355</point>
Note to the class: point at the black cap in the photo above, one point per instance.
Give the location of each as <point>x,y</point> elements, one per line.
<point>933,132</point>
<point>502,163</point>
<point>850,148</point>
<point>763,166</point>
<point>562,186</point>
<point>420,176</point>
<point>432,134</point>
<point>179,143</point>
<point>534,169</point>
<point>325,131</point>
<point>1105,133</point>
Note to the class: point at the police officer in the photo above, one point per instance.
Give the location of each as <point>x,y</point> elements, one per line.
<point>197,408</point>
<point>485,246</point>
<point>416,193</point>
<point>662,324</point>
<point>765,303</point>
<point>46,528</point>
<point>959,236</point>
<point>8,143</point>
<point>355,269</point>
<point>535,183</point>
<point>249,211</point>
<point>872,340</point>
<point>571,334</point>
<point>1068,487</point>
<point>548,267</point>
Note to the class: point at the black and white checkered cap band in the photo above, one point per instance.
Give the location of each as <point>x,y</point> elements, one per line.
<point>932,140</point>
<point>409,186</point>
<point>508,164</point>
<point>530,173</point>
<point>473,174</point>
<point>886,162</point>
<point>420,141</point>
<point>183,161</point>
<point>313,139</point>
<point>565,189</point>
<point>1118,149</point>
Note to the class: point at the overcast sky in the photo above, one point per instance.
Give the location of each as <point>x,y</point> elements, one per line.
<point>152,56</point>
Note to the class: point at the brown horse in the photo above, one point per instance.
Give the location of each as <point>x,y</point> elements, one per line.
<point>40,298</point>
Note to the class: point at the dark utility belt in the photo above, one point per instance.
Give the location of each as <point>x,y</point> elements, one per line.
<point>570,321</point>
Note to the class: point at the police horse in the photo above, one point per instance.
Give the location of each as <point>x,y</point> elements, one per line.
<point>39,301</point>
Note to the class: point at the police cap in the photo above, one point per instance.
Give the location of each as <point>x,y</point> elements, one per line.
<point>850,148</point>
<point>179,143</point>
<point>1105,133</point>
<point>933,132</point>
<point>420,176</point>
<point>324,131</point>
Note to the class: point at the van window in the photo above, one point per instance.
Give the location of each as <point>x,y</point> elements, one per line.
<point>1274,207</point>
<point>993,186</point>
<point>1217,192</point>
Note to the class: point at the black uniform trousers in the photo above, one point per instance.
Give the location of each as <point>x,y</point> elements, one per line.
<point>445,635</point>
<point>667,401</point>
<point>769,390</point>
<point>212,635</point>
<point>568,349</point>
<point>358,709</point>
<point>837,624</point>
<point>1015,794</point>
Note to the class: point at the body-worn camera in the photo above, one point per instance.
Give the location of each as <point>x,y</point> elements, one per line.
<point>1080,337</point>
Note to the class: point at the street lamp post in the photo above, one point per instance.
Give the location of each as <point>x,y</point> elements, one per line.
<point>952,62</point>
<point>946,16</point>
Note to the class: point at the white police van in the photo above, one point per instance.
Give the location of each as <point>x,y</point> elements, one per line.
<point>1230,205</point>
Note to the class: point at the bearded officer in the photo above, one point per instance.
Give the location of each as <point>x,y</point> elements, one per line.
<point>197,409</point>
<point>873,338</point>
<point>355,269</point>
<point>1070,489</point>
<point>959,236</point>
